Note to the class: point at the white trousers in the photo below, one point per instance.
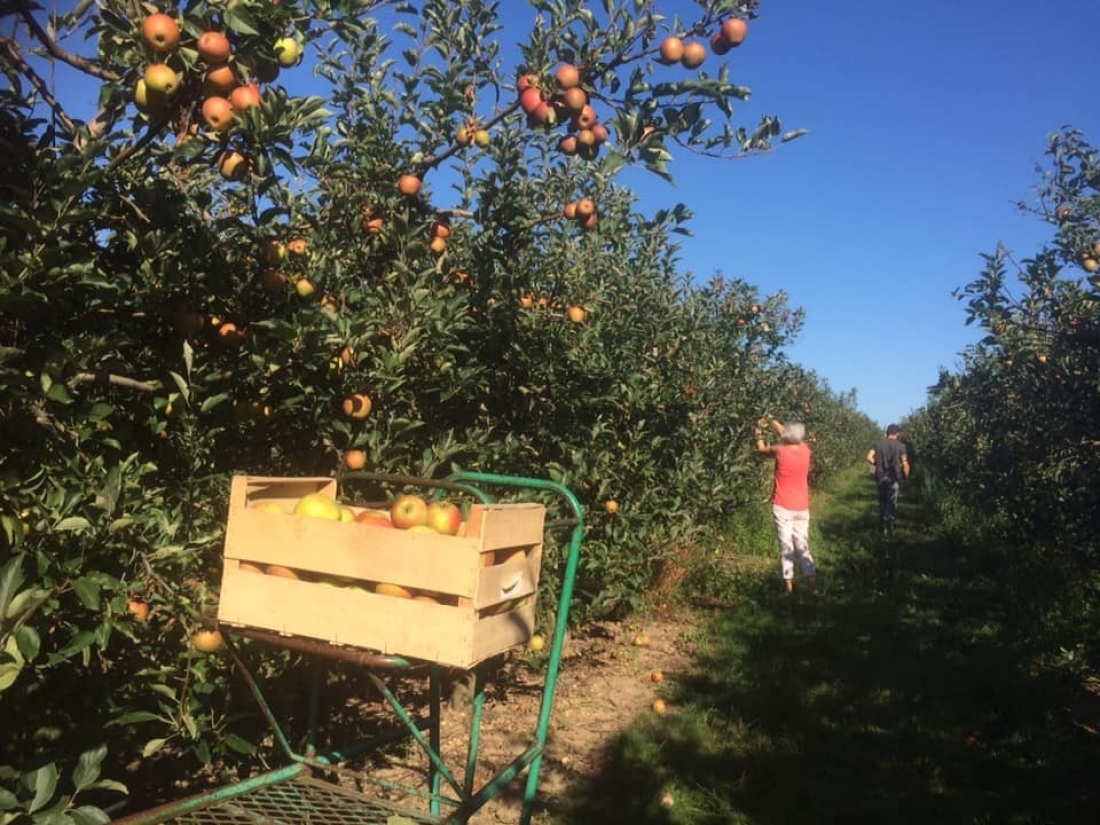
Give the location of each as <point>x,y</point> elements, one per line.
<point>792,527</point>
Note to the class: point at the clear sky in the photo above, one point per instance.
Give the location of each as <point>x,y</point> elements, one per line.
<point>926,123</point>
<point>927,120</point>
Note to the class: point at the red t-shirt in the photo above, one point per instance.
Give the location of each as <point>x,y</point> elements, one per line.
<point>792,476</point>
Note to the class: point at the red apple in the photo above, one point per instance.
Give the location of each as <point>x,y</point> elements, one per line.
<point>408,511</point>
<point>444,517</point>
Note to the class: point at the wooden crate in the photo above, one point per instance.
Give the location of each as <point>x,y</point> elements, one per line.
<point>484,584</point>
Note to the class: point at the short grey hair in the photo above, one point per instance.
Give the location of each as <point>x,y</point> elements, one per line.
<point>794,432</point>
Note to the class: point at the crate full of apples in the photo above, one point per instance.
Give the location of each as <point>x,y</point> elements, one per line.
<point>420,578</point>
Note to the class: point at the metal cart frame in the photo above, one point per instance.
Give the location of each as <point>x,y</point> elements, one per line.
<point>297,794</point>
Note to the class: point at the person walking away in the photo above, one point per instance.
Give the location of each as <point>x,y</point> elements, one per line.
<point>790,498</point>
<point>889,456</point>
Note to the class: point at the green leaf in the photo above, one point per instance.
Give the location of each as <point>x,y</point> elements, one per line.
<point>87,590</point>
<point>9,672</point>
<point>89,815</point>
<point>26,601</point>
<point>109,785</point>
<point>239,744</point>
<point>133,718</point>
<point>73,523</point>
<point>29,642</point>
<point>213,401</point>
<point>44,784</point>
<point>152,746</point>
<point>185,391</point>
<point>87,767</point>
<point>8,800</point>
<point>11,577</point>
<point>78,643</point>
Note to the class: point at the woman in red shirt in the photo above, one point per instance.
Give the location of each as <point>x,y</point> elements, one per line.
<point>790,498</point>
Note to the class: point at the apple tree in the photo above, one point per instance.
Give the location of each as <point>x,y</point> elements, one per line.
<point>252,237</point>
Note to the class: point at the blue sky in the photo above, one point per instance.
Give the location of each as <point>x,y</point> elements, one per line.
<point>927,120</point>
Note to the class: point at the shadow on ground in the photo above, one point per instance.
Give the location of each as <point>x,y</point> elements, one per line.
<point>903,694</point>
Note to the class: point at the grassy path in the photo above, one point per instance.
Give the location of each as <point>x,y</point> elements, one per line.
<point>904,694</point>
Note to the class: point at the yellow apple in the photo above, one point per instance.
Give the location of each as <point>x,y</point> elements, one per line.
<point>317,505</point>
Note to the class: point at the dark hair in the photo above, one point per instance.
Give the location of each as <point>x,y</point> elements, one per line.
<point>893,429</point>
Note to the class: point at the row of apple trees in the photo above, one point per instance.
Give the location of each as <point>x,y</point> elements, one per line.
<point>218,259</point>
<point>1012,437</point>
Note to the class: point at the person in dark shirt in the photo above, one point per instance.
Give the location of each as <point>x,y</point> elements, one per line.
<point>890,458</point>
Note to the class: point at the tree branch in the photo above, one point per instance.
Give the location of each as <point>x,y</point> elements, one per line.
<point>74,60</point>
<point>115,380</point>
<point>10,50</point>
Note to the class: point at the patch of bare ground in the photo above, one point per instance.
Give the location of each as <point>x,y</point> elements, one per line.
<point>610,675</point>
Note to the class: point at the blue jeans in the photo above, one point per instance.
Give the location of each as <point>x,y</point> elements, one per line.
<point>888,502</point>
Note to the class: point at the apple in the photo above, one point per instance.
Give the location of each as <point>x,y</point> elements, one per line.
<point>272,250</point>
<point>586,118</point>
<point>347,515</point>
<point>317,505</point>
<point>374,520</point>
<point>288,51</point>
<point>304,287</point>
<point>672,49</point>
<point>249,567</point>
<point>355,459</point>
<point>207,641</point>
<point>656,676</point>
<point>245,97</point>
<point>161,78</point>
<point>221,80</point>
<point>388,589</point>
<point>233,165</point>
<point>297,247</point>
<point>213,47</point>
<point>695,53</point>
<point>719,45</point>
<point>438,245</point>
<point>160,32</point>
<point>568,76</point>
<point>426,529</point>
<point>148,101</point>
<point>584,208</point>
<point>578,314</point>
<point>611,506</point>
<point>139,608</point>
<point>536,643</point>
<point>218,113</point>
<point>357,405</point>
<point>510,556</point>
<point>409,185</point>
<point>659,707</point>
<point>575,99</point>
<point>733,31</point>
<point>273,280</point>
<point>482,137</point>
<point>408,511</point>
<point>530,99</point>
<point>281,572</point>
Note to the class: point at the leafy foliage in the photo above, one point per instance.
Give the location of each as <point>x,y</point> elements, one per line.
<point>182,302</point>
<point>1010,438</point>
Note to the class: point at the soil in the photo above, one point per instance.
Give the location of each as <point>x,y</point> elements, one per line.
<point>606,682</point>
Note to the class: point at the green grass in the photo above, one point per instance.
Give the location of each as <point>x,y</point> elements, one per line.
<point>906,693</point>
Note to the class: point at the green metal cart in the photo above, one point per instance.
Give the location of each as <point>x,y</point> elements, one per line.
<point>304,791</point>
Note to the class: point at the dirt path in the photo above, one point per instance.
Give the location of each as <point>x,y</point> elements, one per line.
<point>606,682</point>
